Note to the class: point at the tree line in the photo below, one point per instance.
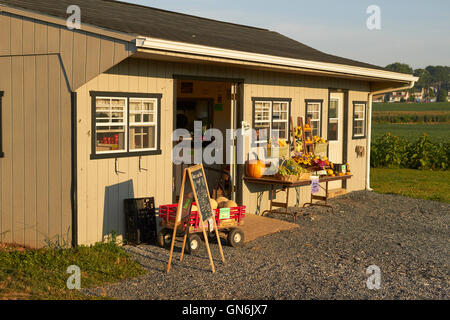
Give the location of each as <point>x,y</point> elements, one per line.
<point>437,77</point>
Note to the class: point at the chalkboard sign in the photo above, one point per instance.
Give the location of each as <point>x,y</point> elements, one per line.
<point>202,193</point>
<point>195,188</point>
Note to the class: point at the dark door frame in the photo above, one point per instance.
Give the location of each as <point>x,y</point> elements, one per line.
<point>239,114</point>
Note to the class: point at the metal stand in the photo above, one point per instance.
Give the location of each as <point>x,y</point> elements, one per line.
<point>284,205</point>
<point>320,198</point>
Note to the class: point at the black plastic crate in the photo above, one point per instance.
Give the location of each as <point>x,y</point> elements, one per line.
<point>140,220</point>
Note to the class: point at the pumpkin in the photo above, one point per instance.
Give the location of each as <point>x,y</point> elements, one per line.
<point>228,204</point>
<point>255,168</point>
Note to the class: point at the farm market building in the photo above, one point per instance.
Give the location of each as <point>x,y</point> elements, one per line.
<point>87,115</point>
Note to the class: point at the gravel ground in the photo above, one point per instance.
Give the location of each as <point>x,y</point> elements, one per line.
<point>326,258</point>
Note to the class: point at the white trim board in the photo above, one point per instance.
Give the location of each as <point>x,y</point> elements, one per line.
<point>181,47</point>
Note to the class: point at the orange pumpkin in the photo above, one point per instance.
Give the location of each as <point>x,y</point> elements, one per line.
<point>255,168</point>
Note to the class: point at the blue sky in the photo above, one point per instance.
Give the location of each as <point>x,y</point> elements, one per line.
<point>413,32</point>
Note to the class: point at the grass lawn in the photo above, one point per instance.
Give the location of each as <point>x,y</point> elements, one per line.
<point>439,106</point>
<point>437,132</point>
<point>42,274</point>
<point>429,185</point>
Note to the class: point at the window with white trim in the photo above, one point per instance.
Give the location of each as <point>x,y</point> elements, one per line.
<point>143,115</point>
<point>125,124</point>
<point>314,113</point>
<point>359,120</point>
<point>271,115</point>
<point>110,124</point>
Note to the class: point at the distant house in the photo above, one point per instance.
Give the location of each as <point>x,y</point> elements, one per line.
<point>419,94</point>
<point>398,96</point>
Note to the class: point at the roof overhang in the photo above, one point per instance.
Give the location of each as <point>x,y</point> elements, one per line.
<point>153,45</point>
<point>85,27</point>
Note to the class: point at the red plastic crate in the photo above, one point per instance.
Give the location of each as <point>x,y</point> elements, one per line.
<point>168,214</point>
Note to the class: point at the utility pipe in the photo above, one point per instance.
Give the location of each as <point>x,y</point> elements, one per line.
<point>369,137</point>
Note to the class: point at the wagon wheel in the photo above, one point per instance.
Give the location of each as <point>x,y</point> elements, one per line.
<point>236,237</point>
<point>194,243</point>
<point>165,238</point>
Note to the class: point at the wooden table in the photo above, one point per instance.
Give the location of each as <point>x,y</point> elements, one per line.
<point>286,185</point>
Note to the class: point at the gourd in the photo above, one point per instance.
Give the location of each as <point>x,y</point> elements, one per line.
<point>227,204</point>
<point>221,199</point>
<point>214,204</point>
<point>255,168</point>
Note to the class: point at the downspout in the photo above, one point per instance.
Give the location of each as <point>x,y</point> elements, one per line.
<point>369,137</point>
<point>74,184</point>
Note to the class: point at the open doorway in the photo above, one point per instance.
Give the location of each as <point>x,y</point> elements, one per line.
<point>217,105</point>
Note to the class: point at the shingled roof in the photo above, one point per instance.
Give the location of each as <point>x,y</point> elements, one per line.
<point>156,23</point>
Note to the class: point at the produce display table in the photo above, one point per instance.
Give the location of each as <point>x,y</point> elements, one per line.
<point>286,185</point>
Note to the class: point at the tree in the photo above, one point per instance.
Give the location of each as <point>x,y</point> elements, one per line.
<point>442,95</point>
<point>400,67</point>
<point>431,94</point>
<point>412,97</point>
<point>440,75</point>
<point>424,78</point>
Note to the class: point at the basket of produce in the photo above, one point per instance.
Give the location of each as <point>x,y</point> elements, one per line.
<point>291,171</point>
<point>321,146</point>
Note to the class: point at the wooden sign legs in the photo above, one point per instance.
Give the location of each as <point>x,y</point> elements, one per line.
<point>177,219</point>
<point>205,236</point>
<point>199,190</point>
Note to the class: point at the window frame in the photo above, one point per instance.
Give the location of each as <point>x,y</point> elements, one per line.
<point>2,154</point>
<point>330,118</point>
<point>364,120</point>
<point>256,100</point>
<point>126,153</point>
<point>319,101</point>
<point>143,124</point>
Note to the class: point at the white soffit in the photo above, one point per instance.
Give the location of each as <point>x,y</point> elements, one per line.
<point>182,47</point>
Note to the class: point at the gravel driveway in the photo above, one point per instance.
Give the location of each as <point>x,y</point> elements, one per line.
<point>326,258</point>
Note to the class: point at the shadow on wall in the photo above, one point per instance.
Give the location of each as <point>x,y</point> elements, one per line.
<point>113,210</point>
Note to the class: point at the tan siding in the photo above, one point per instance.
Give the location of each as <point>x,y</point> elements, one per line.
<point>137,75</point>
<point>107,50</point>
<point>53,39</point>
<point>16,35</point>
<point>30,149</point>
<point>41,39</point>
<point>42,138</point>
<point>40,65</point>
<point>28,37</point>
<point>92,61</point>
<point>54,149</point>
<point>18,184</point>
<point>79,59</point>
<point>5,34</point>
<point>6,182</point>
<point>357,165</point>
<point>129,76</point>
